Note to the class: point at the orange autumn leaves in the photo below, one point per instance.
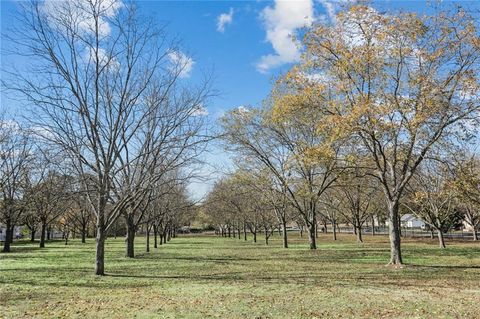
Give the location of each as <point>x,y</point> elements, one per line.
<point>378,74</point>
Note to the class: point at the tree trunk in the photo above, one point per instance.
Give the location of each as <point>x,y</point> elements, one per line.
<point>84,234</point>
<point>266,236</point>
<point>8,230</point>
<point>43,230</point>
<point>100,252</point>
<point>66,238</point>
<point>475,236</point>
<point>255,236</point>
<point>311,235</point>
<point>359,234</point>
<point>229,232</point>
<point>239,233</point>
<point>244,232</point>
<point>284,231</point>
<point>32,235</point>
<point>394,234</point>
<point>441,240</point>
<point>49,233</point>
<point>334,227</point>
<point>155,235</point>
<point>12,233</point>
<point>148,238</point>
<point>373,226</point>
<point>130,239</point>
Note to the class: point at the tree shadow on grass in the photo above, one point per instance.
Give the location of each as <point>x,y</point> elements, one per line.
<point>443,266</point>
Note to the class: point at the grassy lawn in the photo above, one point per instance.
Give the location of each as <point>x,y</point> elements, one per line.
<point>200,277</point>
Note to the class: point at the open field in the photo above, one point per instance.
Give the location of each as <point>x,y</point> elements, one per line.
<point>199,277</point>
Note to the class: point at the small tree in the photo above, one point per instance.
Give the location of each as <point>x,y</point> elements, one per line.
<point>15,165</point>
<point>467,185</point>
<point>434,200</point>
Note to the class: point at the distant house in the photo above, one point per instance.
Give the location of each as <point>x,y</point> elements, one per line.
<point>411,221</point>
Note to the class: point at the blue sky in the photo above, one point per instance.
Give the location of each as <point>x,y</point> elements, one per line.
<point>244,43</point>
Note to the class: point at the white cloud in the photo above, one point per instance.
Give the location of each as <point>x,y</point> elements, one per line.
<point>81,12</point>
<point>281,22</point>
<point>104,59</point>
<point>243,109</point>
<point>199,110</point>
<point>224,19</point>
<point>181,63</point>
<point>332,6</point>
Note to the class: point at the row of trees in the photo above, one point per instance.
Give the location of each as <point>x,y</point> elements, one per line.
<point>39,194</point>
<point>108,99</point>
<point>375,97</point>
<point>250,202</point>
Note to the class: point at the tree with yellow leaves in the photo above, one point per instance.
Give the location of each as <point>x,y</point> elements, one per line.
<point>396,84</point>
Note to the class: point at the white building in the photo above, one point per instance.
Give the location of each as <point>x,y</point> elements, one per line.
<point>411,221</point>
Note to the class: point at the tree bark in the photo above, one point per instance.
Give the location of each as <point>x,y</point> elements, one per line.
<point>32,236</point>
<point>43,230</point>
<point>266,236</point>
<point>255,236</point>
<point>475,236</point>
<point>6,243</point>
<point>130,239</point>
<point>311,236</point>
<point>441,240</point>
<point>334,227</point>
<point>12,233</point>
<point>148,238</point>
<point>284,233</point>
<point>84,234</point>
<point>359,234</point>
<point>373,226</point>
<point>100,252</point>
<point>155,235</point>
<point>244,232</point>
<point>394,234</point>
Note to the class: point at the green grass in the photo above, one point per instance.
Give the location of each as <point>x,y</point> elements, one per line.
<point>202,277</point>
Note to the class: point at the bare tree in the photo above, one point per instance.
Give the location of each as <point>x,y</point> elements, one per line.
<point>96,66</point>
<point>287,148</point>
<point>433,199</point>
<point>15,160</point>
